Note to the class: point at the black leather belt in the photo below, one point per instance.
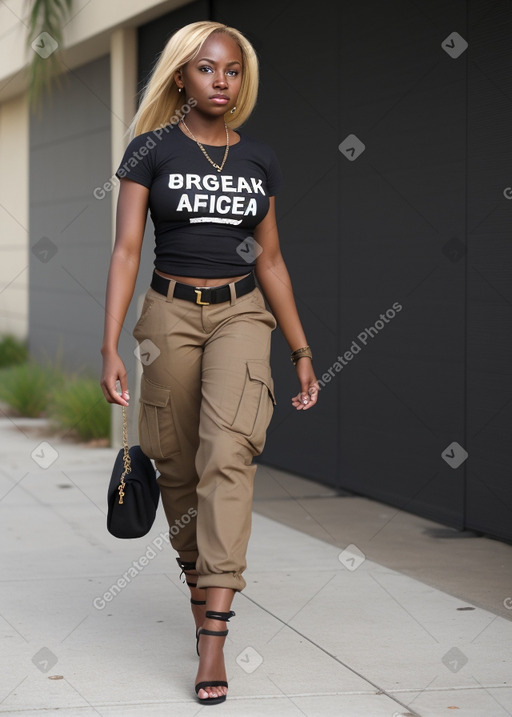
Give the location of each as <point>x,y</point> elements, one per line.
<point>202,296</point>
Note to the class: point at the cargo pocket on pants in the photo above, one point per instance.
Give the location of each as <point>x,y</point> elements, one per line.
<point>256,404</point>
<point>157,430</point>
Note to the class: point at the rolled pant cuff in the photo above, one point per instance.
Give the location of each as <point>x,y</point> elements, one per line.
<point>222,580</point>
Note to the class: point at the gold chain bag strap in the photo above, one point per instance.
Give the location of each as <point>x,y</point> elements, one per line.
<point>127,463</point>
<point>133,492</point>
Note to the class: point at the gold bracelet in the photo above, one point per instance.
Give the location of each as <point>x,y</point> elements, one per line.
<point>300,353</point>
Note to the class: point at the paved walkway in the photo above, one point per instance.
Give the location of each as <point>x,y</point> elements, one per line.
<point>319,631</point>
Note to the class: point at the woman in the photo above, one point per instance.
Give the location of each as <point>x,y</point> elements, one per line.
<point>207,392</point>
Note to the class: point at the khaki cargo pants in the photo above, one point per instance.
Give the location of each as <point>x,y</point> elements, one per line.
<point>207,397</point>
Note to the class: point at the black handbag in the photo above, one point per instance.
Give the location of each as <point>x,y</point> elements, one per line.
<point>133,492</point>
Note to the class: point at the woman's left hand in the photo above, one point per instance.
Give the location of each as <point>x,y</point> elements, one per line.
<point>308,394</point>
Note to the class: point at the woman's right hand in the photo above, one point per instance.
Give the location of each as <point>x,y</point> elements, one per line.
<point>114,371</point>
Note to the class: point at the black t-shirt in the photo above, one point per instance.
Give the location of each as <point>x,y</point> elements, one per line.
<point>204,219</point>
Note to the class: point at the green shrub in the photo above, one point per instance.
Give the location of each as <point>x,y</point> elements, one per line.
<point>27,387</point>
<point>80,406</point>
<point>12,351</point>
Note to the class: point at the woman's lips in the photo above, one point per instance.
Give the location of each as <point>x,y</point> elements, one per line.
<point>218,100</point>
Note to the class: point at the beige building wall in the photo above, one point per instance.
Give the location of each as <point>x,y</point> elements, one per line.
<point>94,28</point>
<point>86,33</point>
<point>14,238</point>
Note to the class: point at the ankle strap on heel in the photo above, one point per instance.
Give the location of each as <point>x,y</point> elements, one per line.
<point>184,565</point>
<point>212,615</point>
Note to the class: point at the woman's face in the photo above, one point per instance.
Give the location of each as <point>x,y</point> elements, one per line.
<point>214,77</point>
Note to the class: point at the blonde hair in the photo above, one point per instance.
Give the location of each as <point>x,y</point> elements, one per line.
<point>161,100</point>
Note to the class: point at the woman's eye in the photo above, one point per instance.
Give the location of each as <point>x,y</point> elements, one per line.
<point>207,68</point>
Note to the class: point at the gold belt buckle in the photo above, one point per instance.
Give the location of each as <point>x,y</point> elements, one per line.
<point>199,297</point>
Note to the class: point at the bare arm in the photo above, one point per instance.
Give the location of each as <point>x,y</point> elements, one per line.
<point>276,285</point>
<point>124,265</point>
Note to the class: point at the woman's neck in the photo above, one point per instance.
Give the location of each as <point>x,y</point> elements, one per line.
<point>208,130</point>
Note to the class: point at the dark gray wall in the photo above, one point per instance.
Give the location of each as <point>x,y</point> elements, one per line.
<point>70,230</point>
<point>489,270</point>
<point>419,217</point>
<point>402,203</point>
<point>360,235</point>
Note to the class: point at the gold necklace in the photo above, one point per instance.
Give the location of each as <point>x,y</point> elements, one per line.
<point>214,164</point>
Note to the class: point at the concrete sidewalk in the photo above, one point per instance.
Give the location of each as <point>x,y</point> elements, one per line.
<point>332,623</point>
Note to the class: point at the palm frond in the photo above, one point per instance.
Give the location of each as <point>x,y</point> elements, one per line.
<point>44,40</point>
